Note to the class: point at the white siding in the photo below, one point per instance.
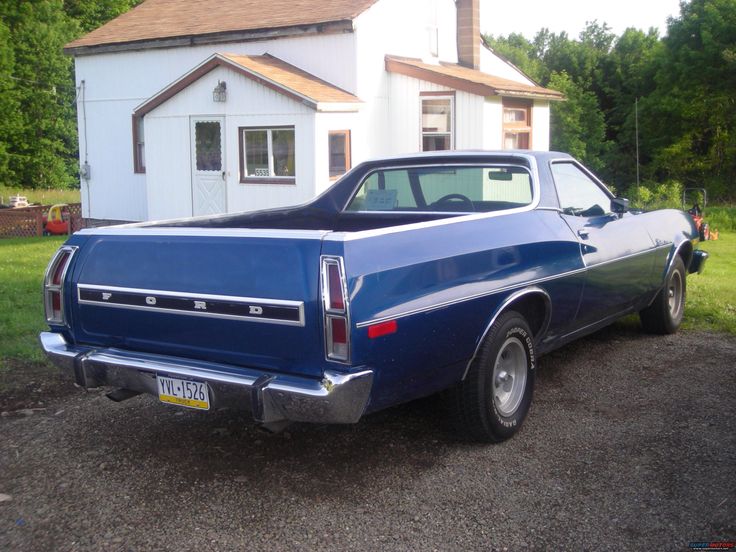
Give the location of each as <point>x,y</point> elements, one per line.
<point>540,125</point>
<point>116,83</point>
<point>113,191</point>
<point>324,123</point>
<point>493,123</point>
<point>405,115</point>
<point>388,122</point>
<point>399,28</point>
<point>168,145</point>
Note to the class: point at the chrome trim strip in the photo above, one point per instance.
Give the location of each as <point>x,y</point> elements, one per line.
<point>298,305</point>
<point>502,307</point>
<point>134,230</point>
<point>629,256</point>
<point>448,303</point>
<point>48,287</point>
<point>451,302</point>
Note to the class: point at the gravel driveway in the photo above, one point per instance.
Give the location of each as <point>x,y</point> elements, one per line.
<point>630,445</point>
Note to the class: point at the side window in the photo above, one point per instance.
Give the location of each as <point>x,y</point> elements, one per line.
<point>578,194</point>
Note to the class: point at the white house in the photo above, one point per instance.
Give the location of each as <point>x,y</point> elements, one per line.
<point>189,108</point>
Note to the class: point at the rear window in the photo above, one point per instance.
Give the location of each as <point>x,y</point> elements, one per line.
<point>444,189</point>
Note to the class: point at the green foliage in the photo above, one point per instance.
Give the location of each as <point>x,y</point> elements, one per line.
<point>684,86</point>
<point>711,303</point>
<point>652,195</point>
<point>691,114</point>
<point>9,106</point>
<point>722,219</point>
<point>45,146</point>
<point>38,137</point>
<point>577,125</point>
<point>92,14</point>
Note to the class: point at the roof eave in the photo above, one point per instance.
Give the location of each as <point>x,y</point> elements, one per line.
<point>219,60</point>
<point>530,95</point>
<point>326,27</point>
<point>338,107</point>
<point>458,83</point>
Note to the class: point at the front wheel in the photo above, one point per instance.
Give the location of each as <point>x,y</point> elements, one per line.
<point>665,314</point>
<point>494,399</point>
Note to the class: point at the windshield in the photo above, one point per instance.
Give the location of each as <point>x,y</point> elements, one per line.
<point>444,189</point>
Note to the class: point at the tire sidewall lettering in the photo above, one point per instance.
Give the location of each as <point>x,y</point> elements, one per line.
<point>526,338</point>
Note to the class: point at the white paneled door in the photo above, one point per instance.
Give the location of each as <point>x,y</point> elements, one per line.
<point>209,182</point>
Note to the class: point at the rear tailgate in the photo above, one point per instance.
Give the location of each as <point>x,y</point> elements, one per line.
<point>242,297</point>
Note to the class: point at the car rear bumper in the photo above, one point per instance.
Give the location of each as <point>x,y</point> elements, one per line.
<point>337,398</point>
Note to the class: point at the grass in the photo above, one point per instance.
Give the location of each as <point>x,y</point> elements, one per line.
<point>44,196</point>
<point>22,264</point>
<point>721,218</point>
<point>711,296</point>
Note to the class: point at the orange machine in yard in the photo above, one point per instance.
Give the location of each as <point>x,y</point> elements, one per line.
<point>696,212</point>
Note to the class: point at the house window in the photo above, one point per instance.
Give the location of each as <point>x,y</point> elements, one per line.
<point>139,150</point>
<point>267,155</point>
<point>517,124</point>
<point>339,151</point>
<point>437,123</point>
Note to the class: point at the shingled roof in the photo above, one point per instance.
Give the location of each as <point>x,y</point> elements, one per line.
<point>179,22</point>
<point>268,71</point>
<point>458,77</point>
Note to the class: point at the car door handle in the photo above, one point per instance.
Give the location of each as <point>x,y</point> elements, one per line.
<point>583,233</point>
<point>223,175</point>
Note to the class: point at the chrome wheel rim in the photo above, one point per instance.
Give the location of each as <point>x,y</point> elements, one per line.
<point>509,376</point>
<point>674,295</point>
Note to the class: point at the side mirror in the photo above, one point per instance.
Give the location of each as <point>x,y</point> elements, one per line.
<point>619,205</point>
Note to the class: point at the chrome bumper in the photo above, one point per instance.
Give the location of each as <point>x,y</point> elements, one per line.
<point>697,263</point>
<point>272,398</point>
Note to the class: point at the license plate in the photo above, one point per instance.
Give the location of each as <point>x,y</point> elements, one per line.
<point>192,394</point>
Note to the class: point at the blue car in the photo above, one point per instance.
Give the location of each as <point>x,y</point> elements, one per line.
<point>449,271</point>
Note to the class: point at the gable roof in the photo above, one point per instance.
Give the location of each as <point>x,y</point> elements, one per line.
<point>178,22</point>
<point>458,77</point>
<point>268,71</point>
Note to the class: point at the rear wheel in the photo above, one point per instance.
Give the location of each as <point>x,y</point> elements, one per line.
<point>494,399</point>
<point>665,314</point>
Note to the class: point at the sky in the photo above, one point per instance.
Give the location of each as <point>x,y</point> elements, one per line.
<point>503,17</point>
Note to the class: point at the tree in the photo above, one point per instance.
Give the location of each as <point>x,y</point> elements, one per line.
<point>43,150</point>
<point>91,14</point>
<point>692,113</point>
<point>626,75</point>
<point>577,124</point>
<point>9,107</point>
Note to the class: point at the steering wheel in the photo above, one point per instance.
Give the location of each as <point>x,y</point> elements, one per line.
<point>465,200</point>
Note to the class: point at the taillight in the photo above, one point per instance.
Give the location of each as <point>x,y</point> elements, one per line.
<point>53,285</point>
<point>335,307</point>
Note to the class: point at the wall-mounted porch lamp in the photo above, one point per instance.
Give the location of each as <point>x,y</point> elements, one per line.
<point>219,94</point>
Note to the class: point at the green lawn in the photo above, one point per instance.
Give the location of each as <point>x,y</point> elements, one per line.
<point>43,196</point>
<point>711,296</point>
<point>711,301</point>
<point>22,264</point>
